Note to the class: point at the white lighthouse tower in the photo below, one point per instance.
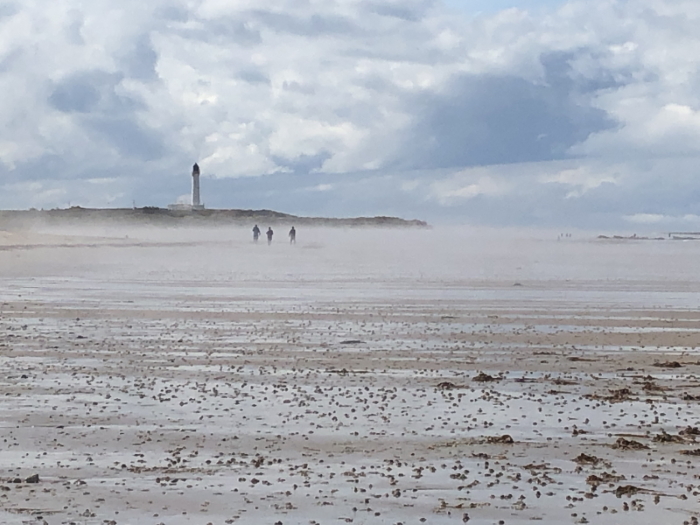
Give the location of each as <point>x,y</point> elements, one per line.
<point>196,203</point>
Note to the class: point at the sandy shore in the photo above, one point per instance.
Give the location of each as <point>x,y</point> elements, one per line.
<point>150,384</point>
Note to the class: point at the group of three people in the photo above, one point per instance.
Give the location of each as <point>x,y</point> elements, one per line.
<point>270,233</point>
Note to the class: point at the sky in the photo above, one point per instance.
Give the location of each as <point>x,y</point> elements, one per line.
<point>545,113</point>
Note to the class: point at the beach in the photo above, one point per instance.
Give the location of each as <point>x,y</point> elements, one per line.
<point>368,376</point>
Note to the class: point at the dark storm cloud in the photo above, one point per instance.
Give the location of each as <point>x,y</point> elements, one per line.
<point>128,137</point>
<point>560,72</point>
<point>75,95</point>
<point>107,114</point>
<point>48,165</point>
<point>91,91</point>
<point>491,119</point>
<point>140,61</point>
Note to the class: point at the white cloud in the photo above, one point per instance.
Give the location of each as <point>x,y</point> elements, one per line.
<point>647,218</point>
<point>468,185</point>
<point>581,178</point>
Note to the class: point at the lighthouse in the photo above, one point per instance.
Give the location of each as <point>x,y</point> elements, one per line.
<point>182,205</point>
<point>196,204</point>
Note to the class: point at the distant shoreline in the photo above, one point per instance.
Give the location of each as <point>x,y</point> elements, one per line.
<point>154,216</point>
<point>671,236</point>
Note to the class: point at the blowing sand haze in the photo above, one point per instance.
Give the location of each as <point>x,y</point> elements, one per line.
<point>358,376</point>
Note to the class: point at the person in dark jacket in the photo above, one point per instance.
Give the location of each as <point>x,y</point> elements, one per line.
<point>269,234</point>
<point>256,233</point>
<point>292,236</point>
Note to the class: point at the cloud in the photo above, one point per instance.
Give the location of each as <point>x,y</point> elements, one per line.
<point>647,218</point>
<point>665,221</point>
<point>74,95</point>
<point>582,179</point>
<point>571,114</point>
<point>485,119</point>
<point>465,186</point>
<point>127,137</point>
<point>139,59</point>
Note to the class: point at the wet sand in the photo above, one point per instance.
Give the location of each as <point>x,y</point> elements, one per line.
<point>193,382</point>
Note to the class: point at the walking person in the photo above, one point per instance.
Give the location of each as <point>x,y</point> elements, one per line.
<point>256,233</point>
<point>269,234</point>
<point>292,236</point>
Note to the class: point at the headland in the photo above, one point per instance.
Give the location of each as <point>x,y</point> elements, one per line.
<point>155,216</point>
